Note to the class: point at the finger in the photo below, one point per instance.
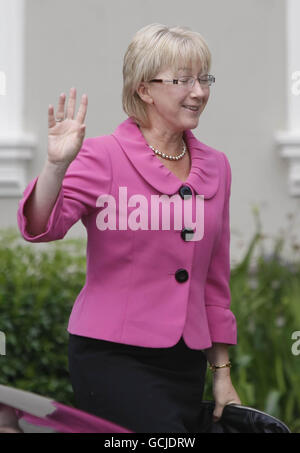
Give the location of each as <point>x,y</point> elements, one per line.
<point>82,109</point>
<point>71,104</point>
<point>51,119</point>
<point>60,114</point>
<point>234,402</point>
<point>217,414</point>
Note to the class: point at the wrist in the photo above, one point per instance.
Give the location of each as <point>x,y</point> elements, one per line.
<point>217,354</point>
<point>57,168</point>
<point>221,373</point>
<point>214,367</point>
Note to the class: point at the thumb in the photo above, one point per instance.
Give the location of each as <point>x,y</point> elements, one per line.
<point>217,414</point>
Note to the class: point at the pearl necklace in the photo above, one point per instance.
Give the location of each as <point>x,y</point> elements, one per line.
<point>165,156</point>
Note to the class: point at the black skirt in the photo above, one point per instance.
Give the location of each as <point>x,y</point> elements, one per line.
<point>146,390</point>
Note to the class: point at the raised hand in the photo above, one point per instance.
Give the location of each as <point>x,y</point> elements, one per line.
<point>65,137</point>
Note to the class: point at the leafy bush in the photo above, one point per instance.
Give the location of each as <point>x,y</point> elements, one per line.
<point>38,289</point>
<point>37,292</point>
<point>265,298</point>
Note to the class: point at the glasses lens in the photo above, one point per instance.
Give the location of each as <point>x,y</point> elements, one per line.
<point>210,80</point>
<point>205,80</point>
<point>188,82</point>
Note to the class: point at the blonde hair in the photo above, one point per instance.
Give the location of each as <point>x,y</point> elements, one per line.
<point>152,48</point>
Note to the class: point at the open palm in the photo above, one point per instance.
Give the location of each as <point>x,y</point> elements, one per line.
<point>66,136</point>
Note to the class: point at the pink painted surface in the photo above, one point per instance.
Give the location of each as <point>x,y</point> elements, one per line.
<point>69,420</point>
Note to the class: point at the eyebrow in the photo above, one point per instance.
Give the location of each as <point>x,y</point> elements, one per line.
<point>188,69</point>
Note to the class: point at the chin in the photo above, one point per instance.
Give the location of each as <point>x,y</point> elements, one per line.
<point>192,123</point>
<point>186,123</point>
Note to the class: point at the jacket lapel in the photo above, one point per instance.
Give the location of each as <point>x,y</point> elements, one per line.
<point>204,174</point>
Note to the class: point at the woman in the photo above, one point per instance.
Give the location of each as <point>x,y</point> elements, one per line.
<point>155,305</point>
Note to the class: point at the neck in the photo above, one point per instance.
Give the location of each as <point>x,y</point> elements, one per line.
<point>164,141</point>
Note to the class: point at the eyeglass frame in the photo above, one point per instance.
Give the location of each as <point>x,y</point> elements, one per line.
<point>212,80</point>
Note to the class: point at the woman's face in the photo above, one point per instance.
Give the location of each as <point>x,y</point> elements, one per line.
<point>169,107</point>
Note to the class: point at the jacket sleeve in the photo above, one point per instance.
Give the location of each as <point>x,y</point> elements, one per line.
<point>87,177</point>
<point>221,321</point>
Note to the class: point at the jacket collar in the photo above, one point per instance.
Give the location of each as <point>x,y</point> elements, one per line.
<point>204,174</point>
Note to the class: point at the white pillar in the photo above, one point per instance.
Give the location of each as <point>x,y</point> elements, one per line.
<point>15,145</point>
<point>293,17</point>
<point>289,140</point>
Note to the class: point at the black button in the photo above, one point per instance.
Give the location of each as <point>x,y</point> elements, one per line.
<point>185,191</point>
<point>184,234</point>
<point>181,275</point>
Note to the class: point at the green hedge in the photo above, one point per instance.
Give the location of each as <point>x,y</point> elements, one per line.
<point>38,289</point>
<point>265,298</point>
<point>37,292</point>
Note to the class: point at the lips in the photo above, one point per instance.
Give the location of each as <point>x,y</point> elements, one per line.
<point>192,108</point>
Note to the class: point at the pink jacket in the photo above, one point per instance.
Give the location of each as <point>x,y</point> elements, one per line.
<point>146,287</point>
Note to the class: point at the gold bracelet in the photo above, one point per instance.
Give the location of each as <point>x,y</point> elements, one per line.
<point>213,368</point>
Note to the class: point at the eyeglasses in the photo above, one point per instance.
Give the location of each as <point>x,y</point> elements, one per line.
<point>188,82</point>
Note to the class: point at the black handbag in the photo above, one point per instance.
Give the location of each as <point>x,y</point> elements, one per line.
<point>239,419</point>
